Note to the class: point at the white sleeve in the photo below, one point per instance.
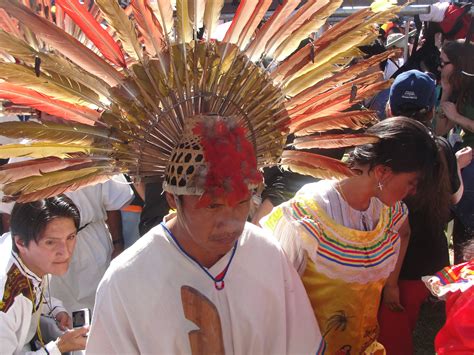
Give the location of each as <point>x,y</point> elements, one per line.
<point>15,322</point>
<point>288,234</point>
<point>302,331</point>
<point>436,13</point>
<point>111,331</point>
<point>116,193</point>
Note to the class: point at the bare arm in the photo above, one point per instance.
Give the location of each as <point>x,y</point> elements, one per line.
<point>455,117</point>
<point>463,158</point>
<point>391,293</point>
<point>140,189</point>
<point>114,222</point>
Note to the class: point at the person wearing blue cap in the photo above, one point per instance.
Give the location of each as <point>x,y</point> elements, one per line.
<point>413,94</point>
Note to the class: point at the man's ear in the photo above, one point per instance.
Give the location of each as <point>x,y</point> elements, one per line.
<point>170,198</point>
<point>20,244</point>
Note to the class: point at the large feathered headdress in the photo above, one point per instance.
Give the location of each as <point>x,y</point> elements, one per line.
<point>148,91</point>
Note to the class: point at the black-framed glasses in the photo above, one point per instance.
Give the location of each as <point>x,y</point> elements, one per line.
<point>443,64</point>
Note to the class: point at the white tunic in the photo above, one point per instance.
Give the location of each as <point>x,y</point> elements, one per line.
<point>76,289</point>
<point>263,308</point>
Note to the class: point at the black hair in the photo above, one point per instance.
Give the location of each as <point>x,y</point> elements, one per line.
<point>404,145</point>
<point>414,111</point>
<point>28,220</point>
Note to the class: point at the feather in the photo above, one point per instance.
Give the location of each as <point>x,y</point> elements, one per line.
<point>7,24</point>
<point>337,52</point>
<point>211,16</point>
<point>183,25</point>
<point>342,76</point>
<point>332,141</point>
<point>59,132</point>
<point>242,15</point>
<point>337,104</point>
<point>36,167</point>
<point>164,13</point>
<point>196,13</point>
<point>382,5</point>
<point>292,67</point>
<point>44,103</point>
<point>56,87</point>
<point>274,23</point>
<point>124,27</point>
<point>93,30</point>
<point>344,90</point>
<point>290,44</point>
<point>22,51</point>
<point>150,26</point>
<point>354,120</point>
<point>72,185</point>
<point>63,42</point>
<point>36,183</point>
<point>318,166</point>
<point>342,27</point>
<point>44,150</point>
<point>251,25</point>
<point>294,23</point>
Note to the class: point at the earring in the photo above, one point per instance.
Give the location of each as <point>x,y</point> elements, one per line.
<point>380,186</point>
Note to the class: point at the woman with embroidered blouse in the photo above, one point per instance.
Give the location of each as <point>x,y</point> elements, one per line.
<point>345,237</point>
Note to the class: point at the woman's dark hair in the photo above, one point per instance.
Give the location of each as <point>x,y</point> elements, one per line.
<point>404,145</point>
<point>461,56</point>
<point>28,220</point>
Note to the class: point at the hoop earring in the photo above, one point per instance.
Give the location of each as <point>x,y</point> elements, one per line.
<point>380,186</point>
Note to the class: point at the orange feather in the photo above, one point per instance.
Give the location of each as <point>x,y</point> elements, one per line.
<point>93,30</point>
<point>22,96</point>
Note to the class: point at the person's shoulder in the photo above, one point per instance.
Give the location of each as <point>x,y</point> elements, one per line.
<point>399,208</point>
<point>138,258</point>
<point>316,189</point>
<point>256,237</point>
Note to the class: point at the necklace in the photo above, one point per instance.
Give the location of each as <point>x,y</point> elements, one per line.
<point>33,298</point>
<point>219,279</point>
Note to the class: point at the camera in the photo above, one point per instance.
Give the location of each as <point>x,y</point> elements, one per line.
<point>81,318</point>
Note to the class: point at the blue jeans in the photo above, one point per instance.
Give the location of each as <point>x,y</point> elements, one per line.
<point>130,221</point>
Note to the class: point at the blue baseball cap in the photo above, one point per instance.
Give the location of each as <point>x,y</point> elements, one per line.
<point>412,90</point>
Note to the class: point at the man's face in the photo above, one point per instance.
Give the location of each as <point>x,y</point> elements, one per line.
<point>213,229</point>
<point>53,251</point>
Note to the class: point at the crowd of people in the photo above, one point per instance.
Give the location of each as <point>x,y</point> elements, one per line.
<point>283,264</point>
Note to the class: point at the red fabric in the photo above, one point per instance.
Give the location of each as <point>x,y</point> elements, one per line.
<point>396,328</point>
<point>232,165</point>
<point>457,335</point>
<point>450,17</point>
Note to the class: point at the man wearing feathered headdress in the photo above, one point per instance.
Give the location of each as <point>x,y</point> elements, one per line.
<point>148,97</point>
<point>204,281</point>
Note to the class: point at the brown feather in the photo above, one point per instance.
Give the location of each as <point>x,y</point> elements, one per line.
<point>318,166</point>
<point>354,120</point>
<point>333,141</point>
<point>36,167</point>
<point>274,23</point>
<point>342,76</point>
<point>211,16</point>
<point>55,190</point>
<point>149,25</point>
<point>242,15</point>
<point>63,42</point>
<point>251,25</point>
